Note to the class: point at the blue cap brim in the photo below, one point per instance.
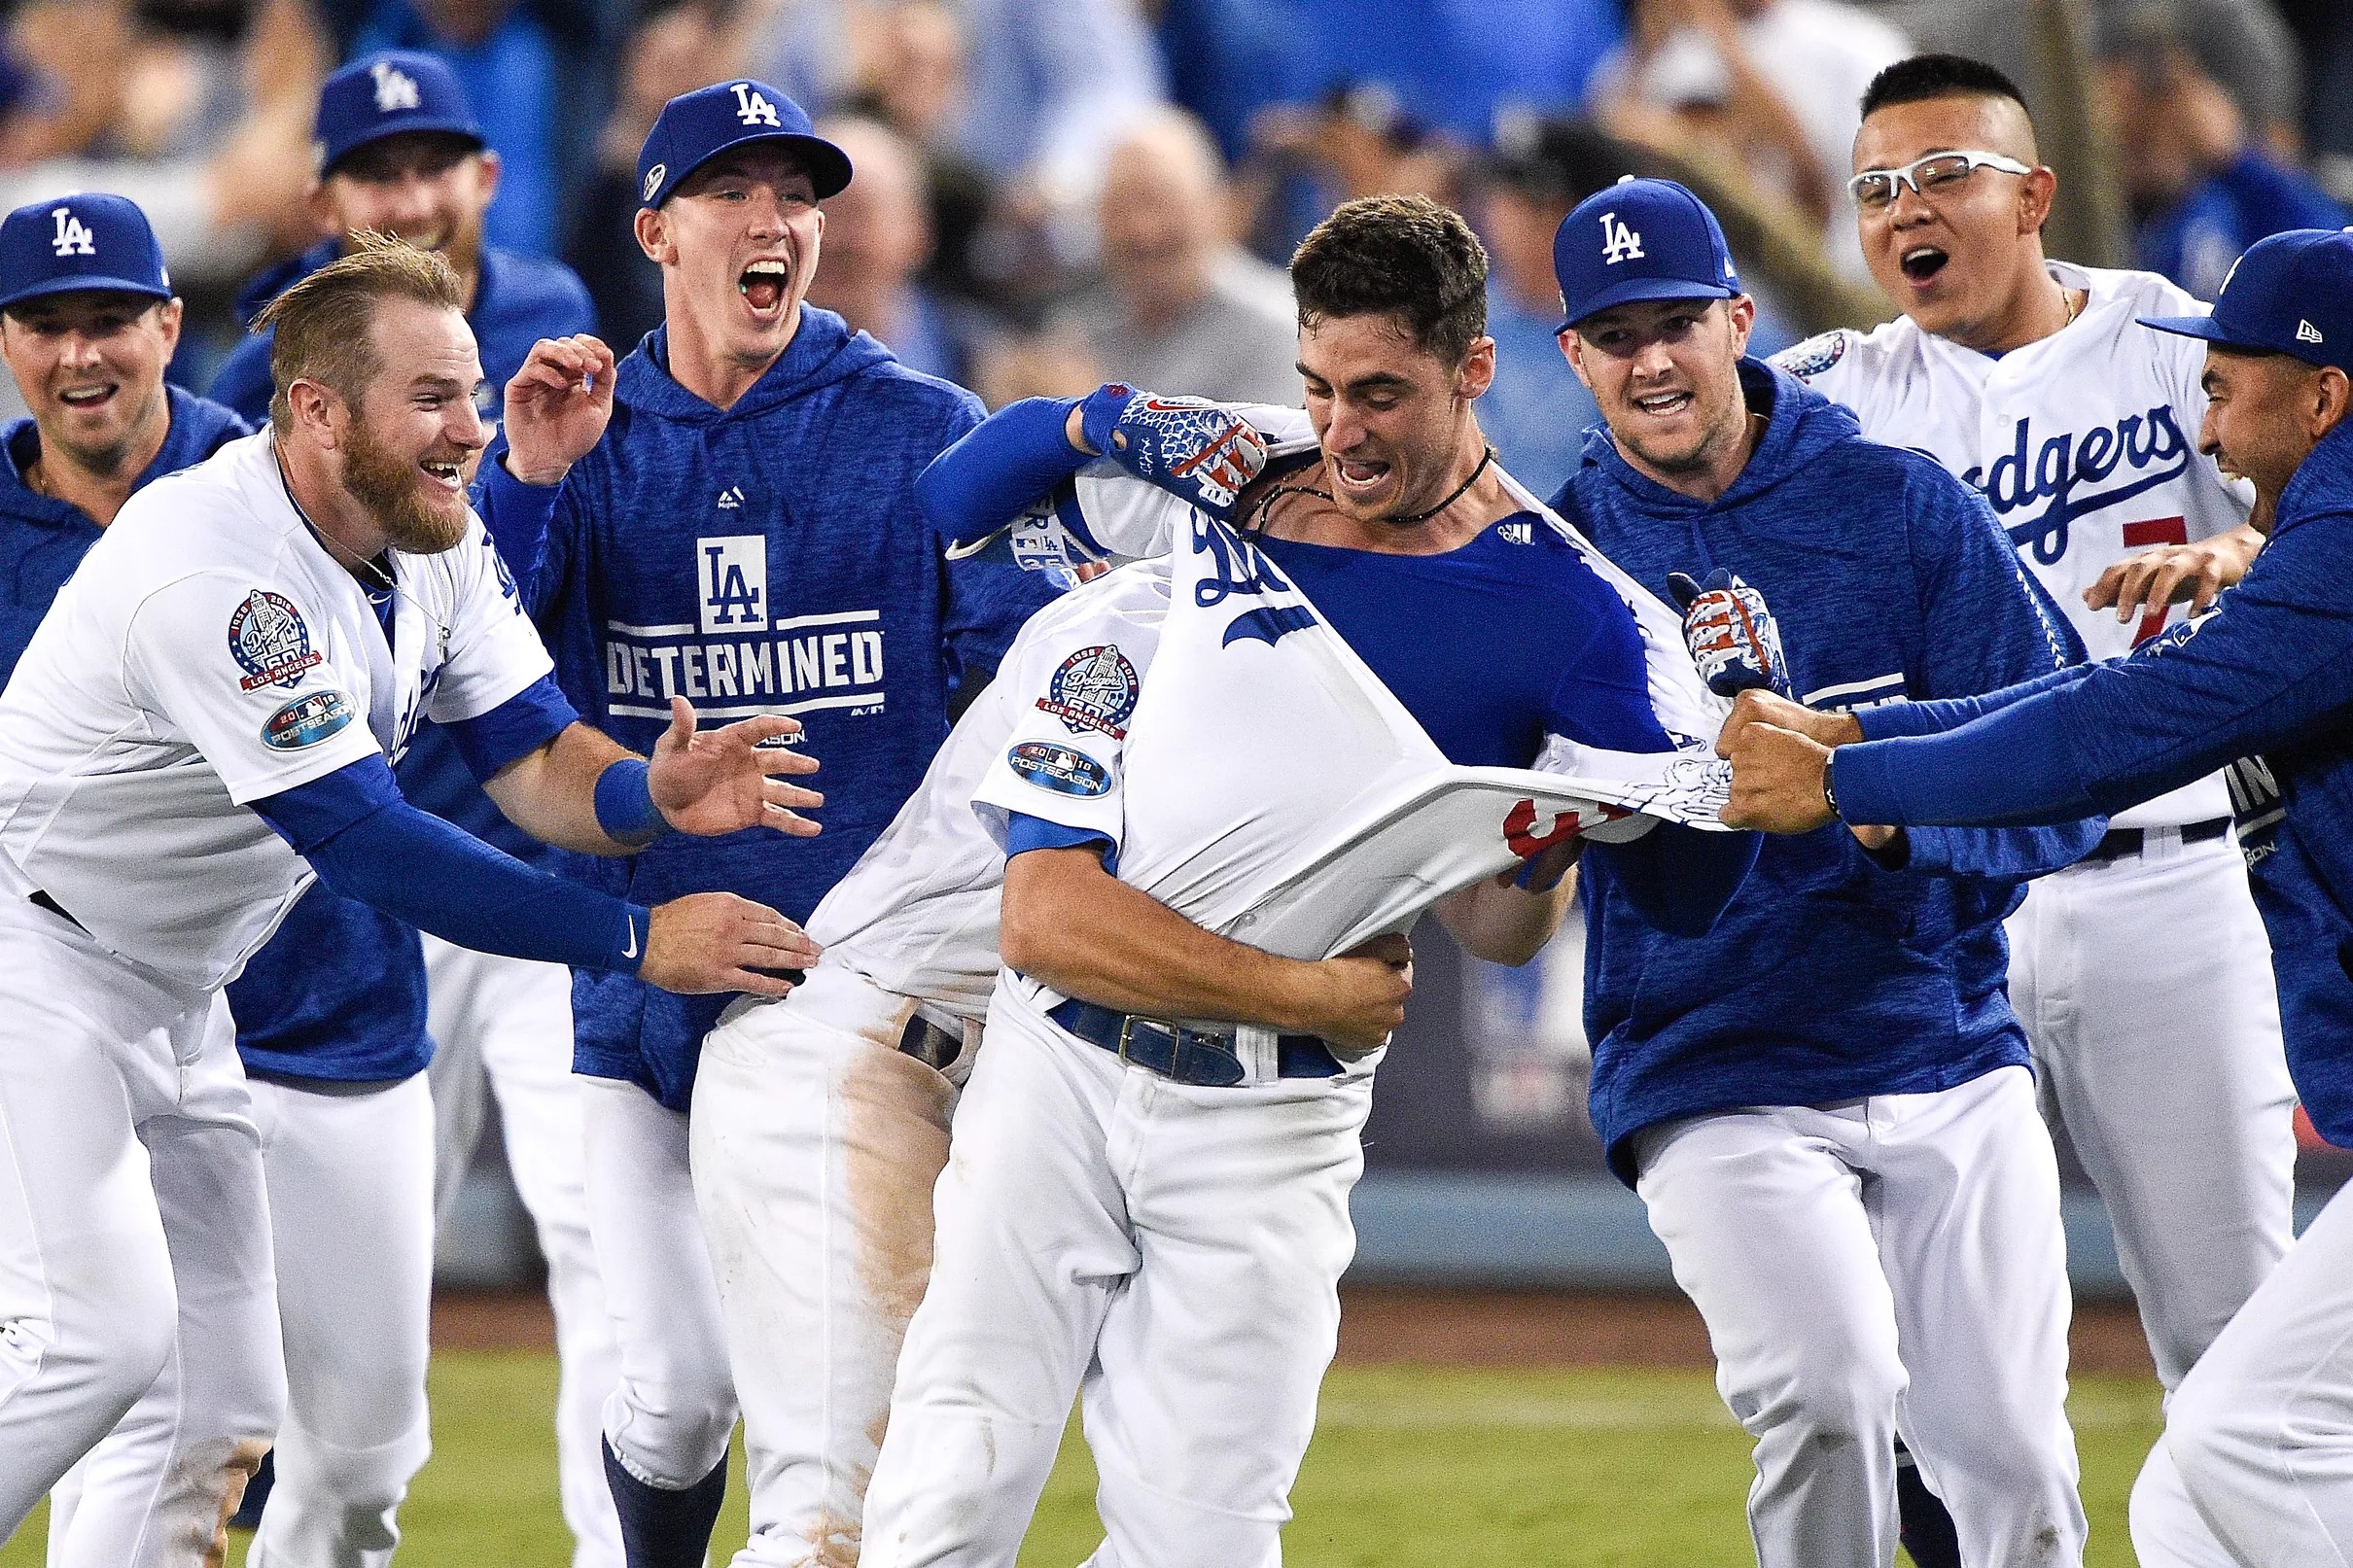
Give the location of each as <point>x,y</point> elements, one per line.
<point>2204,327</point>
<point>419,125</point>
<point>83,285</point>
<point>1642,291</point>
<point>827,165</point>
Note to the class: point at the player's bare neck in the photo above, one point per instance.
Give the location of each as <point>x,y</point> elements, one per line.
<point>1293,504</point>
<point>702,365</point>
<point>2040,307</point>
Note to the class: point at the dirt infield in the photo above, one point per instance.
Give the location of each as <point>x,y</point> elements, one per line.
<point>1389,1324</point>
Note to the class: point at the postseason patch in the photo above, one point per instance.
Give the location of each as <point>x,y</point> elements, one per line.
<point>306,721</point>
<point>1812,357</point>
<point>1094,689</point>
<point>267,636</point>
<point>1059,769</point>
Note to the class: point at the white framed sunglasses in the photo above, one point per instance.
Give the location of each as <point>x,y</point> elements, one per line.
<point>1875,189</point>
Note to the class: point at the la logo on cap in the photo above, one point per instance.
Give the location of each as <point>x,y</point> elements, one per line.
<point>71,238</point>
<point>1619,243</point>
<point>752,107</point>
<point>396,89</point>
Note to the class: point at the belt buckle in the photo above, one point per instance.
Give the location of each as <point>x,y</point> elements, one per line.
<point>1127,1029</point>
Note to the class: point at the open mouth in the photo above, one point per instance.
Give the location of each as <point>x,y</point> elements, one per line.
<point>450,475</point>
<point>764,285</point>
<point>1923,262</point>
<point>1663,404</point>
<point>1359,476</point>
<point>87,397</point>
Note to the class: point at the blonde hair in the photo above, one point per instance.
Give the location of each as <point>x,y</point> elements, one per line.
<point>324,321</point>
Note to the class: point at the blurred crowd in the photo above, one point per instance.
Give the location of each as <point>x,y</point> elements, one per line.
<point>1055,192</point>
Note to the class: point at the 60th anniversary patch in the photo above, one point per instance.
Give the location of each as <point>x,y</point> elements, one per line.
<point>1059,769</point>
<point>1094,689</point>
<point>268,639</point>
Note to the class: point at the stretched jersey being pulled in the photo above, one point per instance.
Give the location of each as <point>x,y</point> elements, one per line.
<point>210,653</point>
<point>2085,443</point>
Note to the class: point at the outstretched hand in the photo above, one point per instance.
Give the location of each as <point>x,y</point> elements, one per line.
<point>721,781</point>
<point>558,407</point>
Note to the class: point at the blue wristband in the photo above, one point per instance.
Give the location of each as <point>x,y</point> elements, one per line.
<point>624,803</point>
<point>1099,411</point>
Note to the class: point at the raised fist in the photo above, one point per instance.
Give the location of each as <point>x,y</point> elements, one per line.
<point>1730,634</point>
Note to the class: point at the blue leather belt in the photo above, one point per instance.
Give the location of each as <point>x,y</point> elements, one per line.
<point>2119,842</point>
<point>1205,1057</point>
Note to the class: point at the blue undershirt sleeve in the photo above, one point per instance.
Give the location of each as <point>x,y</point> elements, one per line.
<point>369,843</point>
<point>1013,457</point>
<point>521,520</point>
<point>1024,833</point>
<point>1888,720</point>
<point>2008,769</point>
<point>522,723</point>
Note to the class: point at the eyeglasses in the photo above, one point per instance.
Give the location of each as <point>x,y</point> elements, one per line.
<point>1875,189</point>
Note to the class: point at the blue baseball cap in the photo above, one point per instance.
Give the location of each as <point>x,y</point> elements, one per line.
<point>697,127</point>
<point>392,92</point>
<point>84,242</point>
<point>1639,240</point>
<point>2291,294</point>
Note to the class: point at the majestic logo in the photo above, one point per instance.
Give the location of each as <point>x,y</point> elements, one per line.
<point>2149,447</point>
<point>753,108</point>
<point>396,89</point>
<point>1058,770</point>
<point>71,238</point>
<point>1269,625</point>
<point>1619,243</point>
<point>655,176</point>
<point>306,721</point>
<point>1094,689</point>
<point>2307,333</point>
<point>734,576</point>
<point>268,639</point>
<point>731,498</point>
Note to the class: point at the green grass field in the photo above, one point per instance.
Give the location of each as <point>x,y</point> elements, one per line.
<point>1413,1466</point>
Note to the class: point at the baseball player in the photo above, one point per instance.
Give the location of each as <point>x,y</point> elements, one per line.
<point>1155,1210</point>
<point>2141,973</point>
<point>198,728</point>
<point>400,152</point>
<point>1825,1101</point>
<point>2261,1428</point>
<point>743,534</point>
<point>88,325</point>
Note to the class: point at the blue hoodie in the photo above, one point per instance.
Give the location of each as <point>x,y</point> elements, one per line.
<point>768,557</point>
<point>1831,976</point>
<point>43,539</point>
<point>2271,672</point>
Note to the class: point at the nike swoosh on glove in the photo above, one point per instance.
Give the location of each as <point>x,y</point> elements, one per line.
<point>1201,452</point>
<point>1732,635</point>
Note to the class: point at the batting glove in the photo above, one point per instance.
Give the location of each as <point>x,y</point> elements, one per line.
<point>1199,451</point>
<point>1730,634</point>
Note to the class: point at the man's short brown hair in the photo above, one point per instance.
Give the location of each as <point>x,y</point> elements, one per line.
<point>325,322</point>
<point>1396,256</point>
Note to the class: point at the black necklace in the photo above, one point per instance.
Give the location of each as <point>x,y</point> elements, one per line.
<point>1410,519</point>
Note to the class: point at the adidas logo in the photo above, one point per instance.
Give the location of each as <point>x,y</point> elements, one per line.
<point>731,498</point>
<point>1515,533</point>
<point>2307,333</point>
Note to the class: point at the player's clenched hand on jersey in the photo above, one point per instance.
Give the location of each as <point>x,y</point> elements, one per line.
<point>1356,1001</point>
<point>712,781</point>
<point>2175,574</point>
<point>1777,780</point>
<point>1755,707</point>
<point>708,943</point>
<point>558,407</point>
<point>1203,453</point>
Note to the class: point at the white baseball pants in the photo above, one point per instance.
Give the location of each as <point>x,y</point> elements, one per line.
<point>669,1416</point>
<point>503,1027</point>
<point>158,1490</point>
<point>815,1143</point>
<point>98,1057</point>
<point>2262,1429</point>
<point>350,1171</point>
<point>1173,1254</point>
<point>1891,1266</point>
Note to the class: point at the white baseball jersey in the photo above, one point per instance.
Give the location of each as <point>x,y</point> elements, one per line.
<point>2085,443</point>
<point>917,915</point>
<point>209,653</point>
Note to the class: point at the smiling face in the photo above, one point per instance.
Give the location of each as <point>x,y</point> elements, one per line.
<point>1393,419</point>
<point>2261,415</point>
<point>738,245</point>
<point>429,187</point>
<point>1666,373</point>
<point>90,364</point>
<point>411,432</point>
<point>1964,261</point>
